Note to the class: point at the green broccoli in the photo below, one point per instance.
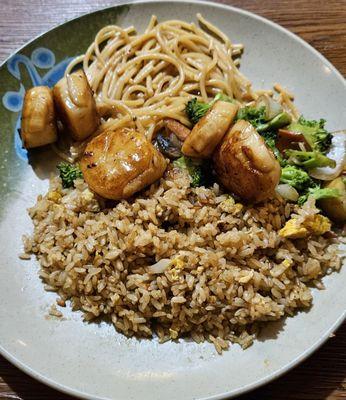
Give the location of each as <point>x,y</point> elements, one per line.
<point>257,118</point>
<point>68,173</point>
<point>319,193</point>
<point>270,138</point>
<point>195,109</point>
<point>277,122</point>
<point>314,133</point>
<point>296,177</point>
<point>309,159</point>
<point>199,171</point>
<point>253,115</point>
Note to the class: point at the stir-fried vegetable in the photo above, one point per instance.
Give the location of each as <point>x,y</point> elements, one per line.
<point>296,177</point>
<point>200,172</point>
<point>196,109</point>
<point>319,193</point>
<point>314,133</point>
<point>69,173</point>
<point>287,192</point>
<point>335,208</point>
<point>309,159</point>
<point>256,116</point>
<point>270,138</point>
<point>336,152</point>
<point>272,107</point>
<point>169,145</point>
<point>296,164</point>
<point>277,122</point>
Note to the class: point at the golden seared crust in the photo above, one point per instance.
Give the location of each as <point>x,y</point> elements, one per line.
<point>75,105</point>
<point>117,164</point>
<point>38,126</point>
<point>245,165</point>
<point>209,130</point>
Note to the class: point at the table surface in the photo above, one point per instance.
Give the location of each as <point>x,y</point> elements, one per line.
<point>320,23</point>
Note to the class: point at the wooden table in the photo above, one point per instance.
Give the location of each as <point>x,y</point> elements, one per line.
<point>323,25</point>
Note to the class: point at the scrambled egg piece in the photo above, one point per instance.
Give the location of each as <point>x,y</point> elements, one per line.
<point>318,225</point>
<point>293,230</point>
<point>314,225</point>
<point>173,333</point>
<point>287,263</point>
<point>176,266</point>
<point>54,196</point>
<point>230,206</point>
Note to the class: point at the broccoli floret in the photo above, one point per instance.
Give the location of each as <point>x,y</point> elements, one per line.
<point>270,138</point>
<point>222,97</point>
<point>296,178</point>
<point>277,122</point>
<point>253,115</point>
<point>68,173</point>
<point>196,109</point>
<point>309,159</point>
<point>257,118</point>
<point>199,171</point>
<point>314,133</point>
<point>319,193</point>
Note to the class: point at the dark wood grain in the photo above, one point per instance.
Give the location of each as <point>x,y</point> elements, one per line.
<point>323,25</point>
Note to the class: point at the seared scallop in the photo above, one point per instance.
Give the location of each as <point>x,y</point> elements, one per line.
<point>76,105</point>
<point>38,126</point>
<point>118,163</point>
<point>245,165</point>
<point>209,130</point>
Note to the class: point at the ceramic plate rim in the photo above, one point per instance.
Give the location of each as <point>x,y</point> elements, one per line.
<point>303,356</point>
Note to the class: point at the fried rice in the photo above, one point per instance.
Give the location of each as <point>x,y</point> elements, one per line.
<point>177,261</point>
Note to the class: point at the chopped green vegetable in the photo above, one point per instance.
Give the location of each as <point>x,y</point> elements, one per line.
<point>277,122</point>
<point>309,159</point>
<point>319,193</point>
<point>199,171</point>
<point>195,109</point>
<point>253,115</point>
<point>222,97</point>
<point>296,177</point>
<point>314,133</point>
<point>270,138</point>
<point>68,173</point>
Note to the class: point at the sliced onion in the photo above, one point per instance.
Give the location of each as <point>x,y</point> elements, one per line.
<point>272,107</point>
<point>159,267</point>
<point>287,192</point>
<point>337,152</point>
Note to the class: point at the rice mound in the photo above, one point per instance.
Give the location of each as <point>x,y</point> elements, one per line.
<point>225,268</point>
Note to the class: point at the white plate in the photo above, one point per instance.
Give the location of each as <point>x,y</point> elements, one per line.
<point>93,361</point>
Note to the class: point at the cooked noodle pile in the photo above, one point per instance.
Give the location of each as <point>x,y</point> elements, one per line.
<point>141,79</point>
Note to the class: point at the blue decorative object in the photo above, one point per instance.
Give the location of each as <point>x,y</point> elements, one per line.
<point>43,58</point>
<point>13,101</point>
